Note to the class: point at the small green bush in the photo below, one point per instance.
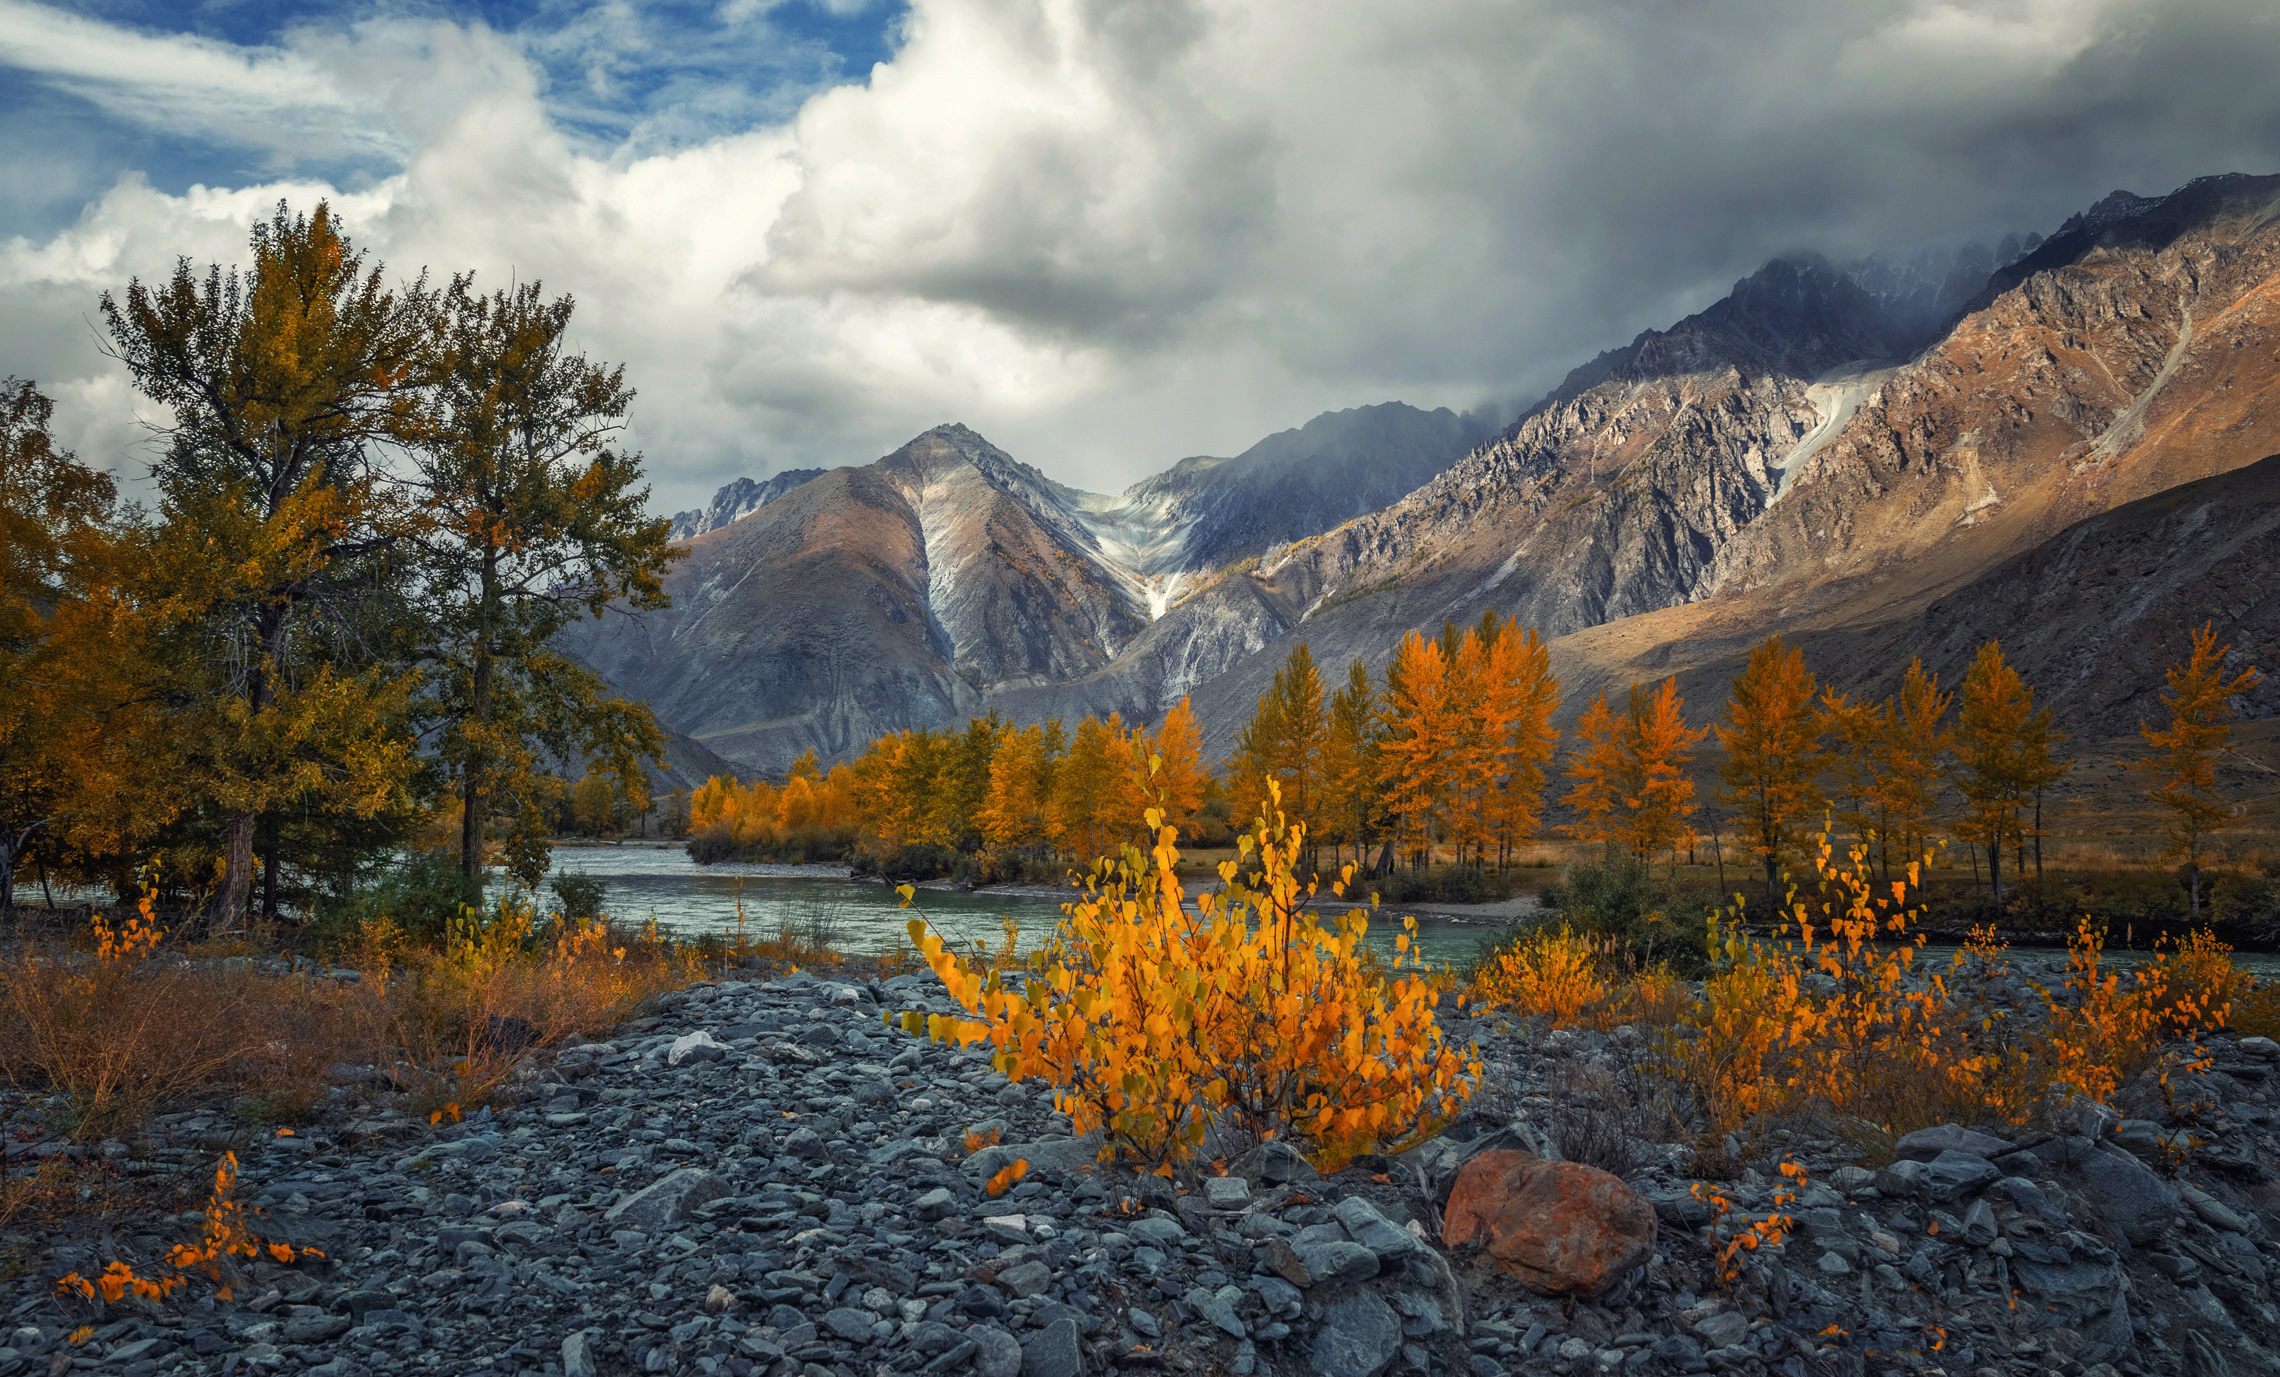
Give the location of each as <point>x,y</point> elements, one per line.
<point>422,896</point>
<point>580,895</point>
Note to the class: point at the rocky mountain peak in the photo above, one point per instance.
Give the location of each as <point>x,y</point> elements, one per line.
<point>736,501</point>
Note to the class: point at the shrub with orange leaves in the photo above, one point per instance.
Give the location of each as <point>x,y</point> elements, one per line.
<point>1730,1247</point>
<point>1552,974</point>
<point>1151,1013</point>
<point>226,1235</point>
<point>1838,1018</point>
<point>1007,1177</point>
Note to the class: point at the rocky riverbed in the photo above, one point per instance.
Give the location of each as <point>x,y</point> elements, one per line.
<point>763,1179</point>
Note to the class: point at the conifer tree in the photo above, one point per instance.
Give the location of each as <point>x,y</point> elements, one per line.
<point>1350,760</point>
<point>1178,782</point>
<point>2002,757</point>
<point>1020,790</point>
<point>532,521</point>
<point>1908,787</point>
<point>2184,757</point>
<point>1603,772</point>
<point>1419,736</point>
<point>1770,777</point>
<point>1661,746</point>
<point>84,769</point>
<point>1525,696</point>
<point>1299,718</point>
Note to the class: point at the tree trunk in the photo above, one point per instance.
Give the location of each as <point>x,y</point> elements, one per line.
<point>471,830</point>
<point>237,874</point>
<point>1384,864</point>
<point>1995,871</point>
<point>1718,850</point>
<point>269,867</point>
<point>2038,836</point>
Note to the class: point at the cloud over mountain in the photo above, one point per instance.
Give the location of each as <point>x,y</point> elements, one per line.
<point>1109,235</point>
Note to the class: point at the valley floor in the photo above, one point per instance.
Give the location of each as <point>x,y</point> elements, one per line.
<point>763,1179</point>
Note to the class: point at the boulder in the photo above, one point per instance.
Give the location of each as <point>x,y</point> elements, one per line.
<point>1358,1338</point>
<point>667,1201</point>
<point>2130,1197</point>
<point>1560,1228</point>
<point>694,1047</point>
<point>2090,1298</point>
<point>1953,1175</point>
<point>1927,1143</point>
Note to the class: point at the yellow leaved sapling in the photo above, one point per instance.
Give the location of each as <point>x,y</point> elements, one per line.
<point>1152,1012</point>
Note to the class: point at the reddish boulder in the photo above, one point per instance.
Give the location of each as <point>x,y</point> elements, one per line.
<point>1562,1228</point>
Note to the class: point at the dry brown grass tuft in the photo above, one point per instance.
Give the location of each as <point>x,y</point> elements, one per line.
<point>125,1030</point>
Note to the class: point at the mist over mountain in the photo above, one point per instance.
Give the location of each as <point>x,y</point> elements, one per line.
<point>1823,447</point>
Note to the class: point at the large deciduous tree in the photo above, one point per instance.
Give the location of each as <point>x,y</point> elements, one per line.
<point>532,521</point>
<point>275,534</point>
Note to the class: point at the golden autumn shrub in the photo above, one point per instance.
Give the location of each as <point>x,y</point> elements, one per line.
<point>1151,1014</point>
<point>1555,975</point>
<point>1838,1019</point>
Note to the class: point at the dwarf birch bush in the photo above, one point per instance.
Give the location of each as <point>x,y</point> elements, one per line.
<point>1151,1013</point>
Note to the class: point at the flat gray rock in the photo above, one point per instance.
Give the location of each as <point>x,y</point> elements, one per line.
<point>1358,1338</point>
<point>667,1201</point>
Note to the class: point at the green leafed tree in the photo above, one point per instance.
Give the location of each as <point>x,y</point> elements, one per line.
<point>529,518</point>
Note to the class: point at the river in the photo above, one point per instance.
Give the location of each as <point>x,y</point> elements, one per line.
<point>661,882</point>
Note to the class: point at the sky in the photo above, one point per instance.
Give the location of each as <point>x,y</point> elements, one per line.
<point>1107,234</point>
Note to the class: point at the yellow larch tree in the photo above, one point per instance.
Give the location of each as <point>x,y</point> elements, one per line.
<point>2183,761</point>
<point>1771,775</point>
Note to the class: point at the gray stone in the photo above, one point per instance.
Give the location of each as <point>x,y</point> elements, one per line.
<point>935,1204</point>
<point>804,1142</point>
<point>1953,1175</point>
<point>2089,1298</point>
<point>695,1047</point>
<point>1026,1279</point>
<point>1724,1329</point>
<point>578,1355</point>
<point>2213,1212</point>
<point>1979,1224</point>
<point>1340,1261</point>
<point>1373,1230</point>
<point>1054,1352</point>
<point>850,1324</point>
<point>1226,1192</point>
<point>2129,1196</point>
<point>1358,1337</point>
<point>667,1201</point>
<point>1218,1307</point>
<point>1903,1179</point>
<point>2030,1197</point>
<point>996,1353</point>
<point>315,1329</point>
<point>1057,1154</point>
<point>1926,1144</point>
<point>1163,1232</point>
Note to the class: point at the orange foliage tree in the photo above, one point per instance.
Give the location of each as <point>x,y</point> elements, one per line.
<point>2185,759</point>
<point>1419,735</point>
<point>2003,760</point>
<point>1772,737</point>
<point>1631,788</point>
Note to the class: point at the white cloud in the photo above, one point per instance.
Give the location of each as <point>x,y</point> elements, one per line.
<point>1110,235</point>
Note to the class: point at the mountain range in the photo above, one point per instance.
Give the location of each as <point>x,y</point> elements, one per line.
<point>1892,453</point>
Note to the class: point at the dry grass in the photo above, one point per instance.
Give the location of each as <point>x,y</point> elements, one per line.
<point>125,1030</point>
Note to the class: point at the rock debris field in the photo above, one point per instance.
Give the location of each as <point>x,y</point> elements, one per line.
<point>764,1179</point>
